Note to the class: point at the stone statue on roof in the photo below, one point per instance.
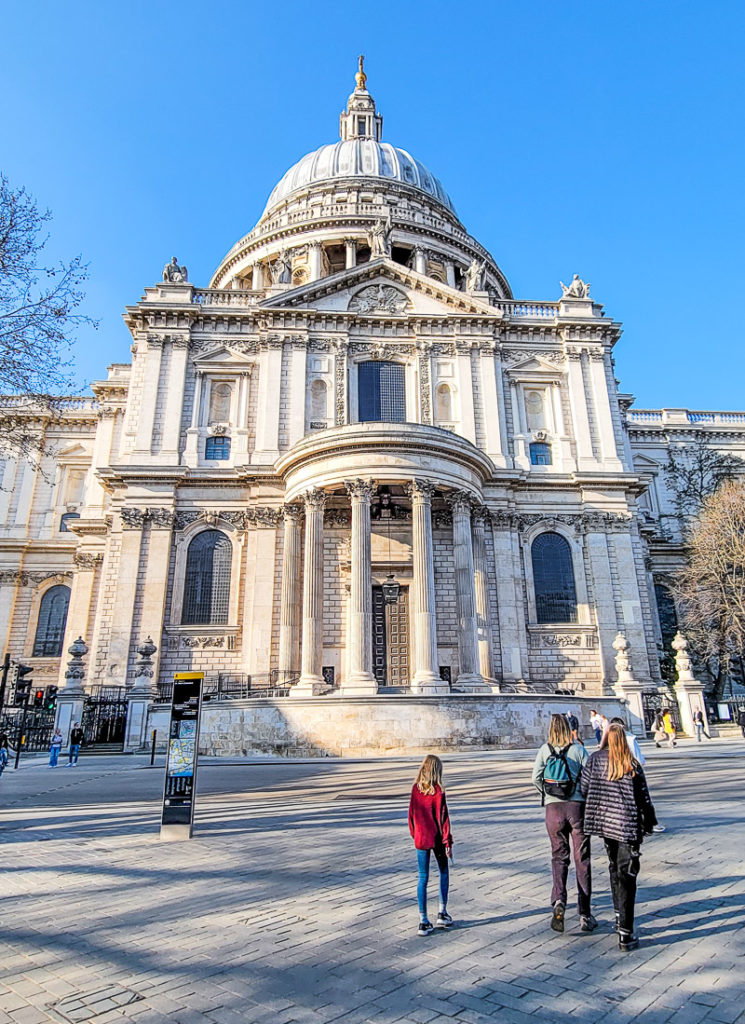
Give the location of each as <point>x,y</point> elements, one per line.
<point>175,274</point>
<point>475,276</point>
<point>576,290</point>
<point>380,239</point>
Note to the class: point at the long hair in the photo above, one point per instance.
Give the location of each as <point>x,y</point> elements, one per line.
<point>429,775</point>
<point>559,733</point>
<point>620,759</point>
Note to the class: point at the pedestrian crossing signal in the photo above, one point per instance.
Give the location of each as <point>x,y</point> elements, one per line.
<point>50,700</point>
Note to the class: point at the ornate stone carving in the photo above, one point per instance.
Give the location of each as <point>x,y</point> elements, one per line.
<point>293,511</point>
<point>442,518</point>
<point>336,517</point>
<point>75,669</point>
<point>511,356</point>
<point>23,577</point>
<point>555,640</point>
<point>475,276</point>
<point>174,274</point>
<point>359,488</point>
<point>623,666</point>
<point>460,501</point>
<point>203,641</point>
<point>281,269</point>
<point>144,667</point>
<point>425,385</point>
<point>682,661</point>
<point>270,517</point>
<point>577,289</point>
<point>160,518</point>
<point>314,498</point>
<point>583,522</point>
<point>379,239</point>
<point>87,559</point>
<point>340,385</point>
<point>379,298</point>
<point>133,518</point>
<point>422,489</point>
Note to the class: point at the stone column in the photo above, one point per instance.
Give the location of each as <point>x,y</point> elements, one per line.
<point>420,260</point>
<point>289,619</point>
<point>315,251</point>
<point>426,677</point>
<point>450,274</point>
<point>361,679</point>
<point>71,697</point>
<point>481,585</point>
<point>311,680</point>
<point>689,690</point>
<point>146,416</point>
<point>628,688</point>
<point>350,252</point>
<point>175,400</point>
<point>257,277</point>
<point>578,402</point>
<point>141,696</point>
<point>465,593</point>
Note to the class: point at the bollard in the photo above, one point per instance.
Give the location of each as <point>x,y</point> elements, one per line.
<point>152,749</point>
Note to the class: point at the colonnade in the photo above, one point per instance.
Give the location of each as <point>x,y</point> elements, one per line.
<point>469,549</point>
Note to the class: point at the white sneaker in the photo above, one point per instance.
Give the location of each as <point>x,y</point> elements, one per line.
<point>658,828</point>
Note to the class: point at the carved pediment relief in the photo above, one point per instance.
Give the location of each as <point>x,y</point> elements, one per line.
<point>223,356</point>
<point>379,298</point>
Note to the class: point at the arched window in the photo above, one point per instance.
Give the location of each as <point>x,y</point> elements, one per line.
<point>50,627</point>
<point>382,394</point>
<point>318,401</point>
<point>553,579</point>
<point>536,409</point>
<point>220,399</point>
<point>207,581</point>
<point>67,518</point>
<point>217,448</point>
<point>540,454</point>
<point>444,404</point>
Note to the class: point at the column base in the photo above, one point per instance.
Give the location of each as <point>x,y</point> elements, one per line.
<point>427,684</point>
<point>472,682</point>
<point>309,686</point>
<point>360,684</point>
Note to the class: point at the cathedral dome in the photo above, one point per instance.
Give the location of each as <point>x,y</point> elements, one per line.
<point>355,158</point>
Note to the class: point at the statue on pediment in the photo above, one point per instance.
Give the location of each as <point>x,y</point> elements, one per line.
<point>578,289</point>
<point>475,276</point>
<point>379,238</point>
<point>174,274</point>
<point>282,268</point>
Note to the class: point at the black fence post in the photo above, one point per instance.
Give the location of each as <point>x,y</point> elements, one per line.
<point>152,749</point>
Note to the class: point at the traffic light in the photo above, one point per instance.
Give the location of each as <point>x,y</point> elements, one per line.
<point>51,698</point>
<point>23,685</point>
<point>38,698</point>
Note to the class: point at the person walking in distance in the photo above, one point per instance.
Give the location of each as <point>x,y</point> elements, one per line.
<point>700,724</point>
<point>76,738</point>
<point>574,727</point>
<point>741,722</point>
<point>429,825</point>
<point>556,773</point>
<point>658,729</point>
<point>3,752</point>
<point>618,807</point>
<point>596,722</point>
<point>54,748</point>
<point>669,727</point>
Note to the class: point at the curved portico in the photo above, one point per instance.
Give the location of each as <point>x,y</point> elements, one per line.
<point>362,462</point>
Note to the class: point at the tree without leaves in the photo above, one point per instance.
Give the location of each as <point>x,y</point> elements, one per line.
<point>694,472</point>
<point>37,319</point>
<point>710,590</point>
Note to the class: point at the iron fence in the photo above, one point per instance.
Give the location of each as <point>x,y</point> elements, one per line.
<point>653,702</point>
<point>237,686</point>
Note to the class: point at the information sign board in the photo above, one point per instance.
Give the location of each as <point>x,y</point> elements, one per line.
<point>179,790</point>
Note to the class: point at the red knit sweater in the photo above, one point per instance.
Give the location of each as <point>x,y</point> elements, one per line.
<point>429,822</point>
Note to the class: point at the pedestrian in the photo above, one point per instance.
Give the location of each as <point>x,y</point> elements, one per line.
<point>669,726</point>
<point>700,724</point>
<point>556,773</point>
<point>636,753</point>
<point>3,752</point>
<point>658,729</point>
<point>618,807</point>
<point>741,721</point>
<point>429,825</point>
<point>574,727</point>
<point>596,721</point>
<point>54,748</point>
<point>76,738</point>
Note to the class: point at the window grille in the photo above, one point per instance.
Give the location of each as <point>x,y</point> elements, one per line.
<point>50,626</point>
<point>553,579</point>
<point>217,448</point>
<point>207,581</point>
<point>540,454</point>
<point>382,392</point>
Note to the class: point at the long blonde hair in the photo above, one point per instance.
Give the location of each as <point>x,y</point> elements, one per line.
<point>429,775</point>
<point>620,759</point>
<point>559,733</point>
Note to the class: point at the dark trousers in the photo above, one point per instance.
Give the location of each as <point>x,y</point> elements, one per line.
<point>623,866</point>
<point>564,819</point>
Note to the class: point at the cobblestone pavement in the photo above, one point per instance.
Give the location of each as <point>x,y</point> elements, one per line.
<point>296,902</point>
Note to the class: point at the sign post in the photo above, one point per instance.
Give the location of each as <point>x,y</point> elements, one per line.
<point>179,791</point>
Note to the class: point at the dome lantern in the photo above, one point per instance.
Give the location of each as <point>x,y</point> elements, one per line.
<point>360,120</point>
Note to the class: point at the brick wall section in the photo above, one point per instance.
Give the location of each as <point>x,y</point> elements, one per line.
<point>577,668</point>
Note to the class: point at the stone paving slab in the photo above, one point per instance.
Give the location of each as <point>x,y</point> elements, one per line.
<point>295,902</point>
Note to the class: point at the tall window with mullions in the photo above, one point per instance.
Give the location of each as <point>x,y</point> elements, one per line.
<point>553,579</point>
<point>50,626</point>
<point>207,582</point>
<point>382,392</point>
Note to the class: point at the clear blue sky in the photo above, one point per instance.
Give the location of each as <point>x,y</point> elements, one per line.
<point>602,138</point>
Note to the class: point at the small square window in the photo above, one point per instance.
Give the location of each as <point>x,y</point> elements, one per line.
<point>217,448</point>
<point>540,454</point>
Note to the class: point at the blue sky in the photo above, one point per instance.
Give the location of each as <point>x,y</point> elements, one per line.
<point>598,138</point>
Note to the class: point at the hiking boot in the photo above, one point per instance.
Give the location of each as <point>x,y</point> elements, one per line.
<point>627,941</point>
<point>444,920</point>
<point>425,927</point>
<point>557,920</point>
<point>587,923</point>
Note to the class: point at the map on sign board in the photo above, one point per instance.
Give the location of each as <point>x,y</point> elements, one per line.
<point>181,757</point>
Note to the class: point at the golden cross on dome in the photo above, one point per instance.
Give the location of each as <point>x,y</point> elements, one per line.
<point>361,78</point>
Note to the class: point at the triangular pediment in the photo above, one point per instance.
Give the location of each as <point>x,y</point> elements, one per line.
<point>534,365</point>
<point>222,356</point>
<point>646,465</point>
<point>381,288</point>
<point>73,451</point>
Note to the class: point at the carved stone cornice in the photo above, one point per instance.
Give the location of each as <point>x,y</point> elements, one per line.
<point>27,577</point>
<point>240,519</point>
<point>582,522</point>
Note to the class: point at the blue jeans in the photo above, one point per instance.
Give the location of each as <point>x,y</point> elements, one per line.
<point>53,756</point>
<point>441,857</point>
<point>74,751</point>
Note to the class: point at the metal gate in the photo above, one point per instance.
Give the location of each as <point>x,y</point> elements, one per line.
<point>104,718</point>
<point>654,701</point>
<point>37,729</point>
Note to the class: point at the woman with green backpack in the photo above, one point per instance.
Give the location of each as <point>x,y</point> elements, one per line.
<point>556,772</point>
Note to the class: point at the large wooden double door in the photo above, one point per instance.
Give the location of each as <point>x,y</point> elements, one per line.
<point>391,664</point>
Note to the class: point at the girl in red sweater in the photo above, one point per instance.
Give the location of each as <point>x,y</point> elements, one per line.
<point>429,825</point>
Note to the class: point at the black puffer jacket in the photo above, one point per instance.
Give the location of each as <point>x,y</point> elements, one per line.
<point>619,810</point>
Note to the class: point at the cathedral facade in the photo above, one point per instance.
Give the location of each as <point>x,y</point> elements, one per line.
<point>353,464</point>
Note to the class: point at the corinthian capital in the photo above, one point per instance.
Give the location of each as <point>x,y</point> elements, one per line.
<point>293,512</point>
<point>460,502</point>
<point>314,499</point>
<point>420,490</point>
<point>362,489</point>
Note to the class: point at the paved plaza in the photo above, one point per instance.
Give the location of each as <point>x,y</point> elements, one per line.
<point>295,902</point>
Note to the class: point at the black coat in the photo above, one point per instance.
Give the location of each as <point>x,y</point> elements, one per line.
<point>621,809</point>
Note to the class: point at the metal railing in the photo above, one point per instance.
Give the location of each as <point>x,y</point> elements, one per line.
<point>237,686</point>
